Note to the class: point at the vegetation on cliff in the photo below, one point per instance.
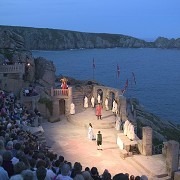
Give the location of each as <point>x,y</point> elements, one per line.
<point>163,130</point>
<point>55,39</point>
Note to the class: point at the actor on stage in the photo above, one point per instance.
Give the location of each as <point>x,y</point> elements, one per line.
<point>85,102</point>
<point>99,140</point>
<point>92,101</point>
<point>99,111</point>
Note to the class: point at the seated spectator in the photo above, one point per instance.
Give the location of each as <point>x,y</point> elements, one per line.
<point>131,177</point>
<point>2,149</point>
<point>95,173</point>
<point>41,173</point>
<point>32,163</point>
<point>19,167</point>
<point>7,164</point>
<point>87,175</point>
<point>27,175</point>
<point>56,168</point>
<point>3,172</point>
<point>120,176</point>
<point>49,174</point>
<point>137,178</point>
<point>143,177</point>
<point>9,146</point>
<point>106,175</point>
<point>16,177</point>
<point>65,172</point>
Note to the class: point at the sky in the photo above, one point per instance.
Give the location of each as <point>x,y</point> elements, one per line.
<point>145,19</point>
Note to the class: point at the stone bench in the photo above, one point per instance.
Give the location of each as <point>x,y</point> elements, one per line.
<point>124,142</point>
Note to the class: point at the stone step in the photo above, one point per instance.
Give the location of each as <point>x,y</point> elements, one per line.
<point>123,153</point>
<point>158,172</point>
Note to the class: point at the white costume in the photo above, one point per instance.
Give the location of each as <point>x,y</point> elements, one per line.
<point>92,101</point>
<point>114,108</point>
<point>118,123</point>
<point>90,133</point>
<point>99,98</point>
<point>86,102</point>
<point>129,130</point>
<point>106,104</point>
<point>126,127</point>
<point>132,133</point>
<point>72,108</point>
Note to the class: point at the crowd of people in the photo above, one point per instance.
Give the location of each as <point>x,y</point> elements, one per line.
<point>22,156</point>
<point>30,91</point>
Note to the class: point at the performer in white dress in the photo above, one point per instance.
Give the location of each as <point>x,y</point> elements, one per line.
<point>90,132</point>
<point>106,104</point>
<point>99,98</point>
<point>129,130</point>
<point>126,127</point>
<point>118,123</point>
<point>92,101</point>
<point>114,108</point>
<point>132,133</point>
<point>72,108</point>
<point>85,102</point>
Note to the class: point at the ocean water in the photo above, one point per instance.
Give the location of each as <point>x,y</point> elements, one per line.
<point>156,72</point>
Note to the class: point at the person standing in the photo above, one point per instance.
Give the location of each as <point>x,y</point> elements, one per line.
<point>106,104</point>
<point>99,140</point>
<point>92,101</point>
<point>99,111</point>
<point>85,102</point>
<point>90,132</point>
<point>99,98</point>
<point>72,108</point>
<point>114,108</point>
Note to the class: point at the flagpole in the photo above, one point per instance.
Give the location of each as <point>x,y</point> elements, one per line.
<point>93,66</point>
<point>117,74</point>
<point>116,78</point>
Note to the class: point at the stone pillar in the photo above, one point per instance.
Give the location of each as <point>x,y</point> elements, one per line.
<point>147,141</point>
<point>172,158</point>
<point>104,97</point>
<point>123,108</point>
<point>70,94</point>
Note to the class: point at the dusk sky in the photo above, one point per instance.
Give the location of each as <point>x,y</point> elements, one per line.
<point>146,19</point>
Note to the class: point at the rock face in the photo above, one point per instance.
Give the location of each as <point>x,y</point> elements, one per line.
<point>52,39</point>
<point>40,70</point>
<point>44,72</point>
<point>162,42</point>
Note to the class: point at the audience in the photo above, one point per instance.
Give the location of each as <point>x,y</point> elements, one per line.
<point>22,156</point>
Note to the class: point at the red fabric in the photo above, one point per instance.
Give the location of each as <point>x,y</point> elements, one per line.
<point>98,110</point>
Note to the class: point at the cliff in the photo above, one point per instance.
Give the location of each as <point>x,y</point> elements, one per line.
<point>53,39</point>
<point>162,42</point>
<point>39,70</point>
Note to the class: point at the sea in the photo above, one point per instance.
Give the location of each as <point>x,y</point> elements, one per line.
<point>156,79</point>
